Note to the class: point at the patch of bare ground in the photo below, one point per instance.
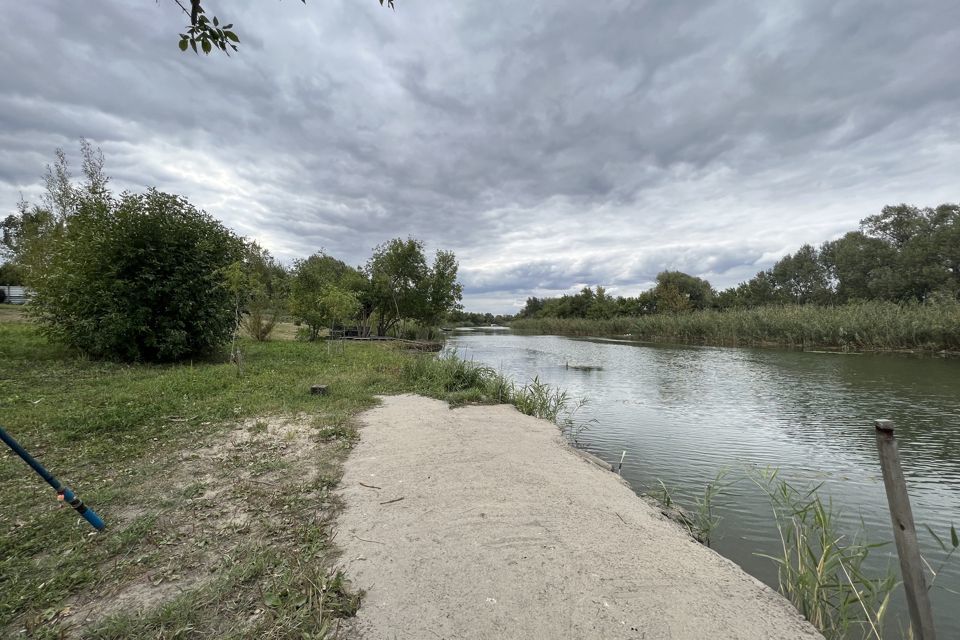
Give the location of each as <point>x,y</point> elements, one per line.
<point>230,538</point>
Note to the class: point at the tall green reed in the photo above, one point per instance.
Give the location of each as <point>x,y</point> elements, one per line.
<point>822,571</point>
<point>872,325</point>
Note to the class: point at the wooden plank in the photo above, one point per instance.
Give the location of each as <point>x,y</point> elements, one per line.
<point>905,533</point>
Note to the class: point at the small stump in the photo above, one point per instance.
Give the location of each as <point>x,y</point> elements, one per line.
<point>318,390</point>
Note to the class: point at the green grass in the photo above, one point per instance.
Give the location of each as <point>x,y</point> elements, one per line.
<point>865,326</point>
<point>202,486</point>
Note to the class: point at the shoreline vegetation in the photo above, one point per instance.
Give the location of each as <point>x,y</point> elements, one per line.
<point>932,327</point>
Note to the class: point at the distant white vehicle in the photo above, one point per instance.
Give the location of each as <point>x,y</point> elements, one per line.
<point>15,295</point>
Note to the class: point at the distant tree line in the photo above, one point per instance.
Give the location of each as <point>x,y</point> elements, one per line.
<point>461,318</point>
<point>902,254</point>
<point>148,277</point>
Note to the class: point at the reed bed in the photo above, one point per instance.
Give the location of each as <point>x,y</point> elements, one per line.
<point>863,326</point>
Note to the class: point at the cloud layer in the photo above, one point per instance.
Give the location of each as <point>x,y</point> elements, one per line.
<point>550,143</point>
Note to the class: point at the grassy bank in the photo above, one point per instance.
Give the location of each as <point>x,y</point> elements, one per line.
<point>216,489</point>
<point>861,326</point>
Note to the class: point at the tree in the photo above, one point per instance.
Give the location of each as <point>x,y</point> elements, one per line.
<point>443,293</point>
<point>138,279</point>
<point>532,308</point>
<point>10,274</point>
<point>265,293</point>
<point>858,264</point>
<point>895,224</point>
<point>924,245</point>
<point>313,279</point>
<point>27,236</point>
<point>603,306</point>
<point>397,272</point>
<point>801,277</point>
<point>340,306</point>
<point>678,291</point>
<point>757,291</point>
<point>206,34</point>
<point>403,287</point>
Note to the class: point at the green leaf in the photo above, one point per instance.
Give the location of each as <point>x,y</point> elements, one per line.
<point>206,46</point>
<point>216,22</point>
<point>183,44</point>
<point>954,540</point>
<point>936,537</point>
<point>230,35</point>
<point>193,43</point>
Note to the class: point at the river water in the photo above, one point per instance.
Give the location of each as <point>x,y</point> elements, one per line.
<point>685,413</point>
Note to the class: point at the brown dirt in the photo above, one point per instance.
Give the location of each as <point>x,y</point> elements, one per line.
<point>216,496</point>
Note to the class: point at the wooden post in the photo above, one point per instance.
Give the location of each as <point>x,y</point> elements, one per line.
<point>904,532</point>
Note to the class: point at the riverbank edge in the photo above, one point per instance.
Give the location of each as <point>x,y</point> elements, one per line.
<point>413,424</point>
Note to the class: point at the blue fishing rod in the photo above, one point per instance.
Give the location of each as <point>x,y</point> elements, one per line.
<point>63,493</point>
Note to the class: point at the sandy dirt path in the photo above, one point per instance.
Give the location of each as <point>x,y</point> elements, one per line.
<point>503,532</point>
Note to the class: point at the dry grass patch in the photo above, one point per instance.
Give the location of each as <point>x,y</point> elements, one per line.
<point>229,539</point>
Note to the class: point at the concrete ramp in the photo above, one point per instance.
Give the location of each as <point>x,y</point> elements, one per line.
<point>481,523</point>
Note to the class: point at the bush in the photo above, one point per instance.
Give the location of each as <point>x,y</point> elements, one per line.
<point>140,278</point>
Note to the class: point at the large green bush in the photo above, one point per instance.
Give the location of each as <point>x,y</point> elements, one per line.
<point>138,278</point>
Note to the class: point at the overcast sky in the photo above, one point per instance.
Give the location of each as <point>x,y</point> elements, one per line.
<point>550,143</point>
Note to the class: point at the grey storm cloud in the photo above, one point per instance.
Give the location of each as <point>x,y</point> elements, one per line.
<point>550,144</point>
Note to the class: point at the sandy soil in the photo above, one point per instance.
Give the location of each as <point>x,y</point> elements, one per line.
<point>481,523</point>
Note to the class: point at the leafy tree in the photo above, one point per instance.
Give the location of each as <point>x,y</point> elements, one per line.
<point>643,304</point>
<point>206,34</point>
<point>670,299</point>
<point>895,224</point>
<point>801,277</point>
<point>858,265</point>
<point>139,278</point>
<point>27,236</point>
<point>924,243</point>
<point>312,280</point>
<point>265,292</point>
<point>946,245</point>
<point>678,291</point>
<point>397,271</point>
<point>442,291</point>
<point>603,306</point>
<point>340,306</point>
<point>532,308</point>
<point>10,274</point>
<point>758,291</point>
<point>403,287</point>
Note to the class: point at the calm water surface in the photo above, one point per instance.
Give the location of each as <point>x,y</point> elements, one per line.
<point>683,414</point>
